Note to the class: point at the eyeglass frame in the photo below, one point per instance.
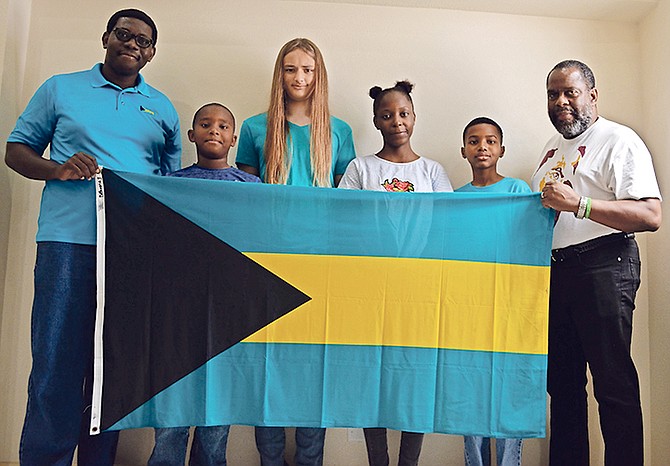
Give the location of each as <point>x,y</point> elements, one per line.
<point>131,36</point>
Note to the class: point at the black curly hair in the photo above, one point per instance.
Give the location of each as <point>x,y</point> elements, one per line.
<point>377,93</point>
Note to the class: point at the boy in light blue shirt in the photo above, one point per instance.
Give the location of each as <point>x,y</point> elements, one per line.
<point>482,148</point>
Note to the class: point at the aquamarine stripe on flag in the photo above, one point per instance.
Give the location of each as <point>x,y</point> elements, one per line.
<point>291,220</point>
<point>417,389</point>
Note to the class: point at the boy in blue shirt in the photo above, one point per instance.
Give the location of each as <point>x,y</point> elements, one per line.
<point>482,148</point>
<point>213,134</point>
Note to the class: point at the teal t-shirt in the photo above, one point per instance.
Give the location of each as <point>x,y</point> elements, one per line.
<point>506,185</point>
<point>252,140</point>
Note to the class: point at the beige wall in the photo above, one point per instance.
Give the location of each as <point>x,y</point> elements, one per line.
<point>14,263</point>
<point>655,58</point>
<point>464,64</point>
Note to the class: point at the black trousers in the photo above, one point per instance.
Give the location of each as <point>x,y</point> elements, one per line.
<point>377,445</point>
<point>592,297</point>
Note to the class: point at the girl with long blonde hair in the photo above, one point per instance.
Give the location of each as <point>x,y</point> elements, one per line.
<point>297,141</point>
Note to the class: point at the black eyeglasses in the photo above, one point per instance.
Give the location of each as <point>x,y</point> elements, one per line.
<point>124,35</point>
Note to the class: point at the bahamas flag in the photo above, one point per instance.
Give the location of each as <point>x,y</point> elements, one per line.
<point>244,303</point>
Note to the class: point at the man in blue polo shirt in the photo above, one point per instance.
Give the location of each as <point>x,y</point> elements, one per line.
<point>107,116</point>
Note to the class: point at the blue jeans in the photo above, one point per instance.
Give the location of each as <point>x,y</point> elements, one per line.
<point>207,449</point>
<point>378,451</point>
<point>478,451</point>
<point>591,302</point>
<point>59,388</point>
<point>308,445</point>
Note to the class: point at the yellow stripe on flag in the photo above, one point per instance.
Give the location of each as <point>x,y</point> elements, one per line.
<point>411,302</point>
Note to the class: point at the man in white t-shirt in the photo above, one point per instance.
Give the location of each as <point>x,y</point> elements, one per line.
<point>598,176</point>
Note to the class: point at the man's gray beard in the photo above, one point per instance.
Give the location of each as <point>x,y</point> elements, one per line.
<point>580,124</point>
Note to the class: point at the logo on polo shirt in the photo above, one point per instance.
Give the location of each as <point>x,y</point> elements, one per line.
<point>146,110</point>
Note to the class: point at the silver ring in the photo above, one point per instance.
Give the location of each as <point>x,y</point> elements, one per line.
<point>542,195</point>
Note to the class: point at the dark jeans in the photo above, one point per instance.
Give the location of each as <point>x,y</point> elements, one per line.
<point>59,388</point>
<point>378,452</point>
<point>309,443</point>
<point>593,287</point>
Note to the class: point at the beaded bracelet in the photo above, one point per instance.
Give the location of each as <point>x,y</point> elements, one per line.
<point>581,210</point>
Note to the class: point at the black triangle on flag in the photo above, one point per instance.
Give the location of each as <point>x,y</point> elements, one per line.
<point>175,296</point>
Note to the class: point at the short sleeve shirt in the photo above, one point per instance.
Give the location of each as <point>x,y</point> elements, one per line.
<point>252,141</point>
<point>222,174</point>
<point>506,185</point>
<point>134,129</point>
<point>608,161</point>
<point>373,173</point>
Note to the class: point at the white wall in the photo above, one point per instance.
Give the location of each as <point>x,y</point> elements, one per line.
<point>464,64</point>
